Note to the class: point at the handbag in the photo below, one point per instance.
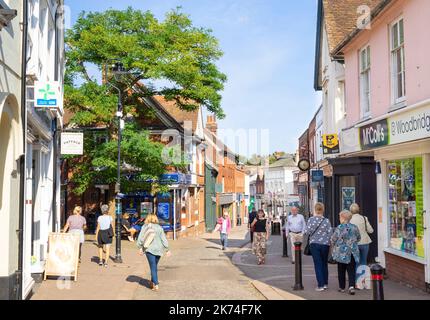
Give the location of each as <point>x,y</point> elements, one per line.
<point>307,250</point>
<point>110,232</point>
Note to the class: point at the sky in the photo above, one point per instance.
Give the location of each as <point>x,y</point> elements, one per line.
<point>269,50</point>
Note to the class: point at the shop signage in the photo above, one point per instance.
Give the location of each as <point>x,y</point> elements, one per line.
<point>330,144</point>
<point>348,197</point>
<point>374,135</point>
<point>47,95</point>
<point>409,126</point>
<point>72,143</point>
<point>173,178</point>
<point>317,178</point>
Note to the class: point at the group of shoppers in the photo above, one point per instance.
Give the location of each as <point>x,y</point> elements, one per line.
<point>348,243</point>
<point>151,242</point>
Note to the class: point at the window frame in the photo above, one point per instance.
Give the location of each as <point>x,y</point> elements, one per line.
<point>393,62</point>
<point>365,71</point>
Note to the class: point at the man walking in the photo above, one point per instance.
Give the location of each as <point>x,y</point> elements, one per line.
<point>295,226</point>
<point>252,216</point>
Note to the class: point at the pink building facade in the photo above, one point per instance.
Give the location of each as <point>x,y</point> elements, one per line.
<point>387,79</point>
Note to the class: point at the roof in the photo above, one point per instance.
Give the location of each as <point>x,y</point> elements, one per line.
<point>340,20</point>
<point>181,116</point>
<point>287,161</point>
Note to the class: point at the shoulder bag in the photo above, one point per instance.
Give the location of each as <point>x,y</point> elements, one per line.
<point>307,250</point>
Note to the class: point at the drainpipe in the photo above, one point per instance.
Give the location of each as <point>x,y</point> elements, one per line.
<point>20,231</point>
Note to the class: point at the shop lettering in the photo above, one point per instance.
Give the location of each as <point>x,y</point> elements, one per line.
<point>422,122</point>
<point>373,135</point>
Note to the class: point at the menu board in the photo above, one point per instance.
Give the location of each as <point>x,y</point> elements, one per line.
<point>63,255</point>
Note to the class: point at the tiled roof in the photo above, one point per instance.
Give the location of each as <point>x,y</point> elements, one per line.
<point>341,18</point>
<point>178,114</point>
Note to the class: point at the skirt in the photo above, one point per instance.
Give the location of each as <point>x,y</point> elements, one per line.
<point>104,238</point>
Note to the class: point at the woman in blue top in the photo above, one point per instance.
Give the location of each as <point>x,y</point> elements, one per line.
<point>345,241</point>
<point>319,230</point>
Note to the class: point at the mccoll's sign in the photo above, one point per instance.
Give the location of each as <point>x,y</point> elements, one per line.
<point>404,127</point>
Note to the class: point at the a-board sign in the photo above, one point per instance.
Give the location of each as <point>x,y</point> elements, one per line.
<point>63,255</point>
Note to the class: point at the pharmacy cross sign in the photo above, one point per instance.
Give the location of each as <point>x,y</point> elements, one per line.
<point>47,94</point>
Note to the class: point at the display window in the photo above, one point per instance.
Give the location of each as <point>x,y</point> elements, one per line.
<point>405,205</point>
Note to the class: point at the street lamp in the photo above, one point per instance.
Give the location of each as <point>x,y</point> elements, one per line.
<point>118,69</point>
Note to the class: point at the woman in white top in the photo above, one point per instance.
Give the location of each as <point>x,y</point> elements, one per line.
<point>104,234</point>
<point>365,229</point>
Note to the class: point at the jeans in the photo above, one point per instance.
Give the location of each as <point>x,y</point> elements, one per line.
<point>320,256</point>
<point>342,268</point>
<point>364,251</point>
<point>224,240</point>
<point>153,265</point>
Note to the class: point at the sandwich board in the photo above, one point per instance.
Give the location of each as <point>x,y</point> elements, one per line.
<point>63,255</point>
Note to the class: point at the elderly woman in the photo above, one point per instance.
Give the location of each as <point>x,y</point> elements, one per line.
<point>345,241</point>
<point>104,234</point>
<point>365,229</point>
<point>319,231</point>
<point>261,235</point>
<point>76,223</point>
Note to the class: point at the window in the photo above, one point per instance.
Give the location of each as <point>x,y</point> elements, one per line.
<point>398,62</point>
<point>406,205</point>
<point>365,81</point>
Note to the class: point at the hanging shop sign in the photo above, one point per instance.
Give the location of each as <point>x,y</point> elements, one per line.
<point>72,143</point>
<point>47,95</point>
<point>330,144</point>
<point>374,135</point>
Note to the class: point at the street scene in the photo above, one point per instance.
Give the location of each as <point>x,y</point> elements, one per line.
<point>231,151</point>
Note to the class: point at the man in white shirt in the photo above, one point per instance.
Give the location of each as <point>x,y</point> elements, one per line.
<point>296,225</point>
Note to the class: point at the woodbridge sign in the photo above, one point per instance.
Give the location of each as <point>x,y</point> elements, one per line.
<point>408,126</point>
<point>412,125</point>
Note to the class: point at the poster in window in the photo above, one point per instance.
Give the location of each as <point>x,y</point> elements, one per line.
<point>348,197</point>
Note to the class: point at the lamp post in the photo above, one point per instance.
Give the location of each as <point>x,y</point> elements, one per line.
<point>117,69</point>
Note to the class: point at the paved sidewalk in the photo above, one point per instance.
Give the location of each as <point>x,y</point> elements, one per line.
<point>279,274</point>
<point>95,282</point>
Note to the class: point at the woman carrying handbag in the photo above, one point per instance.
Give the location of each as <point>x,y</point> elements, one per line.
<point>319,231</point>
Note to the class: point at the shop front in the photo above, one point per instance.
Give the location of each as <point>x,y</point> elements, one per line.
<point>400,144</point>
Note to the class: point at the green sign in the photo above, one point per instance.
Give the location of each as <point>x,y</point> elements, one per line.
<point>374,135</point>
<point>419,196</point>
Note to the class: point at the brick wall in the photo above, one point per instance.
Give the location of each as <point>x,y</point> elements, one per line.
<point>405,271</point>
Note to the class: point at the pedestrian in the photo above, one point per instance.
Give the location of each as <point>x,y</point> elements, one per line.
<point>365,229</point>
<point>153,243</point>
<point>104,234</point>
<point>224,228</point>
<point>296,225</point>
<point>125,222</point>
<point>345,241</point>
<point>319,230</point>
<point>252,216</point>
<point>261,233</point>
<point>76,223</point>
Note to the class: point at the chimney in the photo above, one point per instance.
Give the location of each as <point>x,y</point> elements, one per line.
<point>211,124</point>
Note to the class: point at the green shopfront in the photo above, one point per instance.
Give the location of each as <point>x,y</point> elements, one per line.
<point>401,148</point>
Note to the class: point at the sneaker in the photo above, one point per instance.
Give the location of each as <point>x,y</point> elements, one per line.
<point>341,290</point>
<point>100,263</point>
<point>105,265</point>
<point>319,289</point>
<point>130,238</point>
<point>155,288</point>
<point>351,291</point>
<point>325,287</point>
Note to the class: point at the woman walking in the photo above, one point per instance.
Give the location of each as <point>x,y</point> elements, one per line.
<point>224,228</point>
<point>153,243</point>
<point>104,234</point>
<point>365,229</point>
<point>76,223</point>
<point>319,231</point>
<point>345,250</point>
<point>261,235</point>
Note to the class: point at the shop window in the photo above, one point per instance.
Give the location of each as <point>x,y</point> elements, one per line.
<point>348,191</point>
<point>405,205</point>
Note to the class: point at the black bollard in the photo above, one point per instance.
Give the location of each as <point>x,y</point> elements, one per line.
<point>377,279</point>
<point>298,264</point>
<point>284,244</point>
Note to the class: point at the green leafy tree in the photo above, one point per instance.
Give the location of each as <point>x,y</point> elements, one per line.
<point>171,58</point>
